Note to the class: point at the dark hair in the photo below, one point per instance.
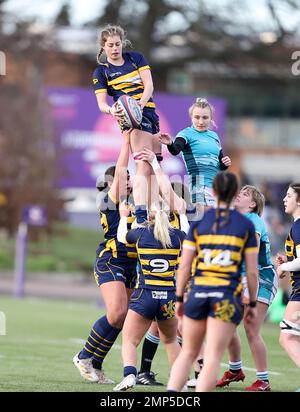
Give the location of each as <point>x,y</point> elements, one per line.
<point>296,188</point>
<point>102,184</point>
<point>225,186</point>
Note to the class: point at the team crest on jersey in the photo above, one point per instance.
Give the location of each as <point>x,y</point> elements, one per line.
<point>224,310</point>
<point>169,309</point>
<point>95,81</point>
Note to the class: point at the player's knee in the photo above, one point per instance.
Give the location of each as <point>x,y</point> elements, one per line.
<point>251,335</point>
<point>116,317</point>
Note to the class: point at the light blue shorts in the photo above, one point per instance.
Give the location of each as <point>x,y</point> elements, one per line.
<point>267,286</point>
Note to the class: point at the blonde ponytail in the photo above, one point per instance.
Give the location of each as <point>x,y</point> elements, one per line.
<point>162,227</point>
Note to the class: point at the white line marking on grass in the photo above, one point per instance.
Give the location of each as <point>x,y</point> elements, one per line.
<point>77,341</point>
<point>251,369</point>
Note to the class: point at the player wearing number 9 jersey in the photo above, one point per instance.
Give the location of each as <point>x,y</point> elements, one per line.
<point>219,243</point>
<point>158,247</point>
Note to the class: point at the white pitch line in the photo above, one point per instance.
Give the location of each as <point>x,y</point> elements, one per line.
<point>225,365</point>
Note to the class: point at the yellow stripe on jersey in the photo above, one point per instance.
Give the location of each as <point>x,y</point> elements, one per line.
<point>132,77</point>
<point>111,196</point>
<point>289,248</point>
<point>143,251</point>
<point>104,222</point>
<point>143,68</point>
<point>131,89</point>
<point>217,268</point>
<point>110,245</point>
<point>220,239</point>
<point>100,91</point>
<point>122,85</point>
<point>132,255</point>
<point>175,222</point>
<point>159,282</point>
<point>147,262</point>
<point>150,104</point>
<point>210,281</point>
<point>162,275</point>
<point>251,249</point>
<point>189,243</point>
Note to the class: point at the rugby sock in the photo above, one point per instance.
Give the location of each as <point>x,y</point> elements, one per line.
<point>100,340</point>
<point>235,367</point>
<point>263,376</point>
<point>150,346</point>
<point>104,347</point>
<point>129,370</point>
<point>141,213</point>
<point>179,340</point>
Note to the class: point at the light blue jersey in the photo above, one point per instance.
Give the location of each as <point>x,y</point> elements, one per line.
<point>264,254</point>
<point>201,155</point>
<point>267,278</point>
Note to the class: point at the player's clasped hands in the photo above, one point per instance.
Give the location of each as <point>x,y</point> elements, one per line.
<point>147,155</point>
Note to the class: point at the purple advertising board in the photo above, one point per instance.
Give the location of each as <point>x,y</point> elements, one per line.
<point>88,142</point>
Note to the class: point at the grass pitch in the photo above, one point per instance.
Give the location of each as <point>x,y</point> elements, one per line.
<point>42,337</point>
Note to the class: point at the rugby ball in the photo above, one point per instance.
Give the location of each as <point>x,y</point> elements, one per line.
<point>132,111</point>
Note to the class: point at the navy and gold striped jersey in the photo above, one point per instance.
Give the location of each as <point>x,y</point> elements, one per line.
<point>109,219</point>
<point>156,264</point>
<point>292,246</point>
<point>191,213</point>
<point>219,255</point>
<point>125,79</point>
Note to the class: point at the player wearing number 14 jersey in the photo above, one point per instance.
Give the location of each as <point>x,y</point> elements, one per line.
<point>217,243</point>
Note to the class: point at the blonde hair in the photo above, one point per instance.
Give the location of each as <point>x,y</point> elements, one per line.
<point>162,226</point>
<point>257,197</point>
<point>108,31</point>
<point>202,103</point>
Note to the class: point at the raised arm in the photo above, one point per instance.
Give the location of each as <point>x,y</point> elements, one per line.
<point>122,228</point>
<point>175,202</point>
<point>119,185</point>
<point>173,147</point>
